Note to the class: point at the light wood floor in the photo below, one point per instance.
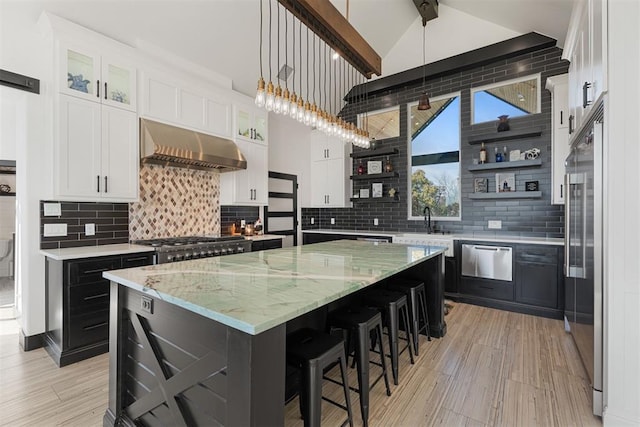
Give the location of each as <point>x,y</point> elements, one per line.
<point>492,368</point>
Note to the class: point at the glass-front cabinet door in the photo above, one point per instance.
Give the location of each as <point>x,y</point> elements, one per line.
<point>243,123</point>
<point>260,126</point>
<point>97,78</point>
<point>118,86</point>
<point>80,73</point>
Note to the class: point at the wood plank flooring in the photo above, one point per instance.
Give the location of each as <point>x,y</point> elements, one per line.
<point>492,368</point>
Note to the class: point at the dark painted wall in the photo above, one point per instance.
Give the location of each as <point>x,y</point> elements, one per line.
<point>519,217</point>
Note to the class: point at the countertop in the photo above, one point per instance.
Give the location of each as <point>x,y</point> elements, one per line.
<point>257,238</point>
<point>484,237</point>
<point>94,251</point>
<point>256,291</point>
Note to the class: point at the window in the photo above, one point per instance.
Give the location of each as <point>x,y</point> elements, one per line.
<point>381,124</point>
<point>434,149</point>
<point>515,98</point>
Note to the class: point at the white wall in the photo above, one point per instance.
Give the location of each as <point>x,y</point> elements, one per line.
<point>23,50</point>
<point>289,153</point>
<point>454,32</point>
<point>622,210</point>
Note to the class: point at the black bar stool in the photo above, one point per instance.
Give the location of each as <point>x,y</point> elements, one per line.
<point>314,351</point>
<point>417,295</point>
<point>393,306</point>
<point>359,323</point>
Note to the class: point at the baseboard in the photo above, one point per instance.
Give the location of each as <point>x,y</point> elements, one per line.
<point>31,342</point>
<point>507,305</point>
<point>67,357</point>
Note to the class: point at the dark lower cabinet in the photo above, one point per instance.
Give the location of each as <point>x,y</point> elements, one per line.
<point>263,245</point>
<point>450,275</point>
<point>78,305</point>
<point>537,287</point>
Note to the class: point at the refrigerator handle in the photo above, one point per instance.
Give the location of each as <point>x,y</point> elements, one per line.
<point>567,224</point>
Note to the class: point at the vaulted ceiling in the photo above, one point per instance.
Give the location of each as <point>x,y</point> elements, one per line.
<point>222,35</point>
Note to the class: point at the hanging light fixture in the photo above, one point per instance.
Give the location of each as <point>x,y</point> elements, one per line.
<point>260,93</point>
<point>285,95</point>
<point>270,98</point>
<point>423,102</point>
<point>293,100</point>
<point>277,103</point>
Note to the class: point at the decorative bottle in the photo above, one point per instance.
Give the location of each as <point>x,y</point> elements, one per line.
<point>498,155</point>
<point>388,167</point>
<point>504,154</point>
<point>360,168</point>
<point>483,154</point>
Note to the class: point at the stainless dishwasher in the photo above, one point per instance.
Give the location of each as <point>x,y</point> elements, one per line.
<point>488,262</point>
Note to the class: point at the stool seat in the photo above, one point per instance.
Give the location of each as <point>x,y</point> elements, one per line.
<point>393,305</point>
<point>314,351</point>
<point>359,323</point>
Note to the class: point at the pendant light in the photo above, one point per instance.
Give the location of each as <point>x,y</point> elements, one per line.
<point>423,102</point>
<point>277,102</point>
<point>269,100</point>
<point>300,105</point>
<point>286,100</point>
<point>260,93</point>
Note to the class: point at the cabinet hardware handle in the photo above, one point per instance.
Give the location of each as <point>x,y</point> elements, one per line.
<point>585,88</point>
<point>98,270</point>
<point>571,124</point>
<point>98,88</point>
<point>96,296</point>
<point>328,199</point>
<point>98,180</point>
<point>105,184</point>
<point>99,325</point>
<point>486,287</point>
<point>142,258</point>
<point>105,90</point>
<point>561,188</point>
<point>561,118</point>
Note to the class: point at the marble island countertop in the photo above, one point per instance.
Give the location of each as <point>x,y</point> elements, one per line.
<point>256,291</point>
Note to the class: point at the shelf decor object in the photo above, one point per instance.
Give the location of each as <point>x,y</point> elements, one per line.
<point>374,167</point>
<point>531,186</point>
<point>376,189</point>
<point>504,136</point>
<point>481,185</point>
<point>505,182</point>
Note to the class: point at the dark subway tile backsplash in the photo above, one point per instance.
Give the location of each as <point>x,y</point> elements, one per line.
<point>111,222</point>
<point>535,217</point>
<point>229,214</point>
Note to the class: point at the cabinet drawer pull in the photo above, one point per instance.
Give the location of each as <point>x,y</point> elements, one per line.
<point>98,181</point>
<point>585,91</point>
<point>99,270</point>
<point>561,117</point>
<point>99,325</point>
<point>96,296</point>
<point>98,88</point>
<point>105,90</point>
<point>486,287</point>
<point>105,185</point>
<point>571,118</point>
<point>561,188</point>
<point>142,258</point>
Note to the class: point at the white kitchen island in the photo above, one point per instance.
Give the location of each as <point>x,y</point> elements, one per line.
<point>202,342</point>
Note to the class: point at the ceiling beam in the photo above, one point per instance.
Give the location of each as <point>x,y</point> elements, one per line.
<point>328,23</point>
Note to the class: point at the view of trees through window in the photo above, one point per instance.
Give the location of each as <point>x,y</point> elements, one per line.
<point>435,158</point>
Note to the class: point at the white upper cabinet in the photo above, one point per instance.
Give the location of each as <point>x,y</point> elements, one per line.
<point>96,152</point>
<point>330,166</point>
<point>559,88</point>
<point>585,48</point>
<point>170,98</point>
<point>251,123</point>
<point>96,77</point>
<point>249,186</point>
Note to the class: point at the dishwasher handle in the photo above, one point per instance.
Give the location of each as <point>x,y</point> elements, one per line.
<point>491,248</point>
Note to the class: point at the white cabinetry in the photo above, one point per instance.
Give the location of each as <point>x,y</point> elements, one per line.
<point>96,77</point>
<point>559,88</point>
<point>97,152</point>
<point>251,123</point>
<point>250,186</point>
<point>585,48</point>
<point>173,100</point>
<point>330,167</point>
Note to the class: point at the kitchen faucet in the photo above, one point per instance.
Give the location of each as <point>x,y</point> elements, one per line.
<point>427,218</point>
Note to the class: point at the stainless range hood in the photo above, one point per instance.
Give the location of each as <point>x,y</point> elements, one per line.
<point>173,146</point>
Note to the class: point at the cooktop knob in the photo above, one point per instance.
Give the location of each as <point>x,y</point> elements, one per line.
<point>239,249</point>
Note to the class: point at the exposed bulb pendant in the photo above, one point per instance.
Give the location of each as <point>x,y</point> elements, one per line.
<point>285,102</point>
<point>300,116</point>
<point>270,98</point>
<point>277,102</point>
<point>293,106</point>
<point>260,94</point>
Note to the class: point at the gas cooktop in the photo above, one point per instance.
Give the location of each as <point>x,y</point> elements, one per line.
<point>186,240</point>
<point>172,249</point>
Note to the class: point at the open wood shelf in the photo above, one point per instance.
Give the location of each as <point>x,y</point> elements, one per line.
<point>375,176</point>
<point>504,136</point>
<point>507,195</point>
<point>374,153</point>
<point>506,165</point>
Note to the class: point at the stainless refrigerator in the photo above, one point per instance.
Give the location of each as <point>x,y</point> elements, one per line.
<point>583,249</point>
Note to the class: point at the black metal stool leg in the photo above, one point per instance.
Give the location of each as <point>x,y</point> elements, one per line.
<point>405,319</point>
<point>384,364</point>
<point>415,317</point>
<point>362,357</point>
<point>393,340</point>
<point>423,306</point>
<point>347,397</point>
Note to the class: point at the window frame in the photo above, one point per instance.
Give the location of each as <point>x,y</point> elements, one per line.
<point>473,91</point>
<point>409,162</point>
<point>360,116</point>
